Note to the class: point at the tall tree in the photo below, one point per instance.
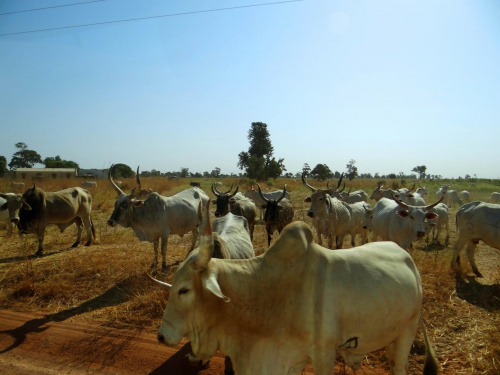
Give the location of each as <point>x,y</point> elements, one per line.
<point>122,171</point>
<point>258,162</point>
<point>352,170</point>
<point>57,162</point>
<point>321,172</point>
<point>420,169</point>
<point>24,158</point>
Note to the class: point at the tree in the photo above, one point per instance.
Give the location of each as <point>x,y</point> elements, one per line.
<point>420,169</point>
<point>352,170</point>
<point>321,172</point>
<point>57,162</point>
<point>3,166</point>
<point>306,169</point>
<point>258,162</point>
<point>216,172</point>
<point>24,158</point>
<point>184,172</point>
<point>122,171</point>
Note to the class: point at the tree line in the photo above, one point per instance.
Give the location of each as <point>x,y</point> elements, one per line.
<point>257,163</point>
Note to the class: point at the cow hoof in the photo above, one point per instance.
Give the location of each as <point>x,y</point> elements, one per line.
<point>75,244</point>
<point>39,253</point>
<point>87,244</point>
<point>164,266</point>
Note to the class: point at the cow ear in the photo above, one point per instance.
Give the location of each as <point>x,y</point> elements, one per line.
<point>214,201</point>
<point>402,213</point>
<point>212,285</point>
<point>26,206</point>
<point>431,216</point>
<point>263,206</point>
<point>3,207</point>
<point>307,200</point>
<point>137,203</point>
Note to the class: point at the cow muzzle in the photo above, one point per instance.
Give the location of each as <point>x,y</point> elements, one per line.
<point>111,223</point>
<point>420,234</point>
<point>14,220</point>
<point>310,214</point>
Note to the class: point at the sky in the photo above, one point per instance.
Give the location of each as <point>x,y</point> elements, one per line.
<point>390,84</point>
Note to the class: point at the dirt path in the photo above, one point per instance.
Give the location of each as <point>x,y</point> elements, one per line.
<point>38,345</point>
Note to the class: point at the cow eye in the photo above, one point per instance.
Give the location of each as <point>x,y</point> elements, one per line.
<point>183,291</point>
<point>123,206</point>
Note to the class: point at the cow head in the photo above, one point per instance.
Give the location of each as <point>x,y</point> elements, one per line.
<point>418,215</point>
<point>319,199</point>
<point>194,296</point>
<point>368,219</point>
<point>222,200</point>
<point>32,210</point>
<point>14,203</point>
<point>125,202</point>
<point>272,206</point>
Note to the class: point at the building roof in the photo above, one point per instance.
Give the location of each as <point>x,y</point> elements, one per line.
<point>47,170</point>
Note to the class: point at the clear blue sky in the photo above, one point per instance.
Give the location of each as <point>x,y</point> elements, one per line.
<point>390,84</point>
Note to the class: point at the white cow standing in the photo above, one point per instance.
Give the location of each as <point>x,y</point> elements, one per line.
<point>450,196</point>
<point>392,220</point>
<point>476,221</point>
<point>296,304</point>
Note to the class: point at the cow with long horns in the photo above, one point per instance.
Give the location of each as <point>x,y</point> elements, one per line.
<point>278,213</point>
<point>157,217</point>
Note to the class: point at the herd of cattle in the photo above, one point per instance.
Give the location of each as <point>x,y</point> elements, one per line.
<point>225,298</point>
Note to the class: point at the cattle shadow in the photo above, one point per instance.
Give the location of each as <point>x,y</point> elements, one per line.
<point>21,258</point>
<point>178,364</point>
<point>475,293</point>
<point>112,297</point>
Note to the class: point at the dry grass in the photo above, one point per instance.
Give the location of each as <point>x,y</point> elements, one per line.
<point>106,282</point>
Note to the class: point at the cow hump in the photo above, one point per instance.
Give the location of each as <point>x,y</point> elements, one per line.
<point>292,243</point>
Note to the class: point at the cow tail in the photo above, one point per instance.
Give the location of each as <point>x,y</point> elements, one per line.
<point>431,366</point>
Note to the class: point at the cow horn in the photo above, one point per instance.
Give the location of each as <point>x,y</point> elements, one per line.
<point>343,188</point>
<point>206,247</point>
<point>225,192</point>
<point>118,190</point>
<point>262,195</point>
<point>159,283</point>
<point>405,206</point>
<point>283,195</point>
<point>427,208</point>
<point>306,184</point>
<point>214,190</point>
<point>412,187</point>
<point>137,179</point>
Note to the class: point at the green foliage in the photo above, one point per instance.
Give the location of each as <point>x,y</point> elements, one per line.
<point>122,171</point>
<point>352,170</point>
<point>57,162</point>
<point>420,169</point>
<point>321,172</point>
<point>258,162</point>
<point>24,158</point>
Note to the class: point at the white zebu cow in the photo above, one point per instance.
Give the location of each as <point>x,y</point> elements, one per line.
<point>433,227</point>
<point>231,236</point>
<point>380,192</point>
<point>358,210</point>
<point>413,199</point>
<point>495,197</point>
<point>296,304</point>
<point>259,202</point>
<point>464,196</point>
<point>353,197</point>
<point>157,217</point>
<point>89,184</point>
<point>450,196</point>
<point>422,190</point>
<point>476,221</point>
<point>396,221</point>
<point>331,217</point>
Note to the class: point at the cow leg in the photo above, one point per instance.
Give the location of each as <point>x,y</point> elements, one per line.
<point>194,232</point>
<point>399,350</point>
<point>40,235</point>
<point>164,243</point>
<point>155,249</point>
<point>470,249</point>
<point>88,227</point>
<point>455,258</point>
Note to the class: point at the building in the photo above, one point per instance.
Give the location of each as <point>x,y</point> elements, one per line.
<point>43,173</point>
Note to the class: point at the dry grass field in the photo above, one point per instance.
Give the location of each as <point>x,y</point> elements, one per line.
<point>106,284</point>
